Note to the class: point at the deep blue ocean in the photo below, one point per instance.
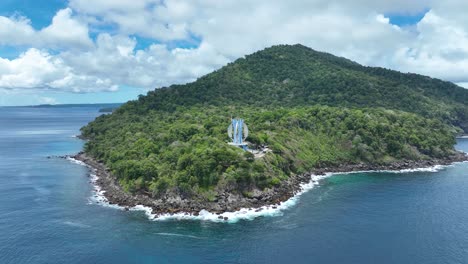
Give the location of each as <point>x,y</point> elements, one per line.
<point>46,215</point>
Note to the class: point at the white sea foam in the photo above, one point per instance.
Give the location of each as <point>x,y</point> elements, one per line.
<point>98,197</point>
<point>242,214</point>
<point>434,168</point>
<point>79,162</point>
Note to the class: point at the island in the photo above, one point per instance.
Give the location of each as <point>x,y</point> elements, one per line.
<point>315,112</point>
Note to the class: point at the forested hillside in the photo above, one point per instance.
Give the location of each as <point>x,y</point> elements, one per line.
<point>290,76</point>
<point>313,109</point>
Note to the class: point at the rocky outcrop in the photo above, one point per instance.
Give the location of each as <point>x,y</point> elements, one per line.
<point>231,201</point>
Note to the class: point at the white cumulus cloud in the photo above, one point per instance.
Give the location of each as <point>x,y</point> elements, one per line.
<point>64,32</point>
<point>63,56</point>
<point>38,69</point>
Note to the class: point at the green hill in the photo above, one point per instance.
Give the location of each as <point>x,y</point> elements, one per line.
<point>291,76</point>
<point>311,108</point>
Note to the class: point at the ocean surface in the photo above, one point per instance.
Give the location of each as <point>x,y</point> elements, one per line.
<point>48,215</point>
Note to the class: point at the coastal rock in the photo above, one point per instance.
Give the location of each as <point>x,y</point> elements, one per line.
<point>173,203</point>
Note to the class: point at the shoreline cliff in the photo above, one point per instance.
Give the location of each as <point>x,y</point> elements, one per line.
<point>226,201</point>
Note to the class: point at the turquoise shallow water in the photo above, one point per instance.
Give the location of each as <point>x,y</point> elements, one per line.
<point>46,215</point>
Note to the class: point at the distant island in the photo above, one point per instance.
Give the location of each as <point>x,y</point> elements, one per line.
<point>107,109</point>
<point>316,112</point>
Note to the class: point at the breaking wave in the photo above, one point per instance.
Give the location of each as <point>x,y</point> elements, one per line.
<point>98,197</point>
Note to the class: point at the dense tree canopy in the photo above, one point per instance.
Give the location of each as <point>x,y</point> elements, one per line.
<point>291,76</point>
<point>311,108</point>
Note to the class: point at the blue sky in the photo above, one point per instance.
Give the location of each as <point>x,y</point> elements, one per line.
<point>406,19</point>
<point>40,12</point>
<point>90,51</point>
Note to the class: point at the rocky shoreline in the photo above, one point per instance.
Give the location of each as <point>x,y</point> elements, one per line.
<point>228,201</point>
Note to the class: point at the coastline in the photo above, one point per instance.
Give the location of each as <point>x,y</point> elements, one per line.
<point>228,204</point>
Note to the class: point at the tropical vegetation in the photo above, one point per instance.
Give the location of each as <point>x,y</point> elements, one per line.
<point>312,109</point>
